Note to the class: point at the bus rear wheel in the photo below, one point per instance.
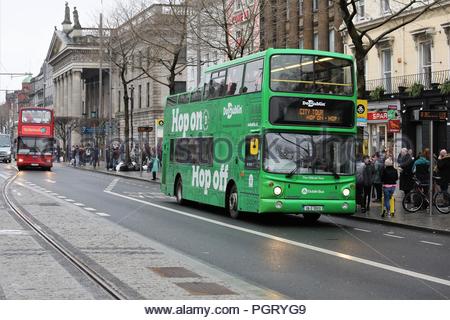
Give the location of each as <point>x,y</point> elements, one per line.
<point>231,204</point>
<point>179,191</point>
<point>311,217</point>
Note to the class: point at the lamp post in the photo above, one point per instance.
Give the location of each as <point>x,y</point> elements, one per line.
<point>94,116</point>
<point>131,113</point>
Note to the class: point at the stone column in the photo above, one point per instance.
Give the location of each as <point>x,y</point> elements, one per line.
<point>76,110</point>
<point>55,98</point>
<point>69,93</point>
<point>66,95</point>
<point>60,96</point>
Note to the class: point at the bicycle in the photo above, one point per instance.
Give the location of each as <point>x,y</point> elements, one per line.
<point>418,199</point>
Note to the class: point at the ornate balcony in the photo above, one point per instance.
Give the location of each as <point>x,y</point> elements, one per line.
<point>391,85</point>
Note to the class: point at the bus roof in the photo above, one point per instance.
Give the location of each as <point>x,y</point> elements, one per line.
<point>278,51</point>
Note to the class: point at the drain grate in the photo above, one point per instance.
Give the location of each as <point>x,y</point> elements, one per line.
<point>175,272</point>
<point>205,288</point>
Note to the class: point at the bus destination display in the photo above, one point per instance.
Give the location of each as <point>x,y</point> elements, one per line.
<point>318,115</point>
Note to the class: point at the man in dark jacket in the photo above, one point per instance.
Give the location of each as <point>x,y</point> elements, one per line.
<point>406,162</point>
<point>443,168</point>
<point>389,178</point>
<point>368,175</point>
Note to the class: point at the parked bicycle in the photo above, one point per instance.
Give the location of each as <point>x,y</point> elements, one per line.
<point>417,199</point>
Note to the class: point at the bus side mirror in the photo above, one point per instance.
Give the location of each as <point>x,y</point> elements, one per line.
<point>254,146</point>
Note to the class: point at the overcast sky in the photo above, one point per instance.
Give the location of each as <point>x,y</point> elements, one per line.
<point>26,29</point>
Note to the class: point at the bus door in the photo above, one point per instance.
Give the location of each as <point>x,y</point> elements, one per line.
<point>249,172</point>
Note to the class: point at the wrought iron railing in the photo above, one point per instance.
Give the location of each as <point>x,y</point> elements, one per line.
<point>427,79</point>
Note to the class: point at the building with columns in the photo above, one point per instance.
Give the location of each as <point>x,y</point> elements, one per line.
<point>74,56</point>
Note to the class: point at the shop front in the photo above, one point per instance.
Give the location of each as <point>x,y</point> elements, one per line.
<point>384,128</point>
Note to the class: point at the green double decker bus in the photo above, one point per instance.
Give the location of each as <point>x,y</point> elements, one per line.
<point>271,132</point>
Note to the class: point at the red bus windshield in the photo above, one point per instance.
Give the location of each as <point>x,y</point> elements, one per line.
<point>36,116</point>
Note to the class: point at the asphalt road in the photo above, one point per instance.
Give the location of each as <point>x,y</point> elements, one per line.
<point>338,258</point>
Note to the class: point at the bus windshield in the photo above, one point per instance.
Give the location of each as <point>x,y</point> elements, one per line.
<point>36,146</point>
<point>295,153</point>
<point>311,74</point>
<point>36,116</point>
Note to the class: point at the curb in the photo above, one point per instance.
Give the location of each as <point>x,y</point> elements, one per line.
<point>399,224</point>
<point>112,173</point>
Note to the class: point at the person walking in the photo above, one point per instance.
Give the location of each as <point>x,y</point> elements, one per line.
<point>405,163</point>
<point>389,178</point>
<point>443,169</point>
<point>94,156</point>
<point>377,185</point>
<point>108,157</point>
<point>155,164</point>
<point>368,175</point>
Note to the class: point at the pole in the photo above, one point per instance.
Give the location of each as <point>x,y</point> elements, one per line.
<point>140,153</point>
<point>431,169</point>
<point>131,114</point>
<point>100,71</point>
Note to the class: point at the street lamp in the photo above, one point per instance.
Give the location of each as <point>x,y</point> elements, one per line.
<point>131,113</point>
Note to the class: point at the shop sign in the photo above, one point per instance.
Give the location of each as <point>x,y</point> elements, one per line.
<point>394,126</point>
<point>361,112</point>
<point>377,116</point>
<point>433,115</point>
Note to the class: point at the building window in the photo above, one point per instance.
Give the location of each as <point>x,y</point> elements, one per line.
<point>315,5</point>
<point>425,62</point>
<point>148,94</point>
<point>331,40</point>
<point>140,96</point>
<point>120,100</point>
<point>300,43</point>
<point>386,65</point>
<point>316,41</point>
<point>361,9</point>
<point>385,6</point>
<point>300,7</point>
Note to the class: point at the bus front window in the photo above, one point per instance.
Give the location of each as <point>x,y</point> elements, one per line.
<point>311,74</point>
<point>290,153</point>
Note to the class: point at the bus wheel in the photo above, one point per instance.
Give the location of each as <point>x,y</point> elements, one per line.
<point>179,191</point>
<point>311,217</point>
<point>232,202</point>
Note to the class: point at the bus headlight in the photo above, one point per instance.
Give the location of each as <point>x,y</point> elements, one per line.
<point>346,192</point>
<point>20,160</point>
<point>277,191</point>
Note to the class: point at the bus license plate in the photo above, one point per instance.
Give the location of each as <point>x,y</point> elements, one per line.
<point>35,165</point>
<point>313,208</point>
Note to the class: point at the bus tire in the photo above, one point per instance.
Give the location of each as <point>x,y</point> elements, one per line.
<point>311,217</point>
<point>179,191</point>
<point>231,202</point>
<point>19,168</point>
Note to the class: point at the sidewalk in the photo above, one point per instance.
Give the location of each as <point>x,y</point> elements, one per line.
<point>420,220</point>
<point>101,168</point>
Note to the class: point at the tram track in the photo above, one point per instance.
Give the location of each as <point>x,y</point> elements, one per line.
<point>68,255</point>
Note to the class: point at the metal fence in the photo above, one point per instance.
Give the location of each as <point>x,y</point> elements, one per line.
<point>391,84</point>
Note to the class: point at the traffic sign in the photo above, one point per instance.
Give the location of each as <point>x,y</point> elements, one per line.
<point>145,129</point>
<point>361,112</point>
<point>433,115</point>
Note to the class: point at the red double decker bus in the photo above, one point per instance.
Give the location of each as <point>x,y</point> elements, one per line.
<point>35,138</point>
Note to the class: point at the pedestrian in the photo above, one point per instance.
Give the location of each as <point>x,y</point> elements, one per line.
<point>368,174</point>
<point>94,156</point>
<point>58,153</point>
<point>421,168</point>
<point>377,185</point>
<point>443,169</point>
<point>155,166</point>
<point>108,157</point>
<point>405,163</point>
<point>77,156</point>
<point>389,178</point>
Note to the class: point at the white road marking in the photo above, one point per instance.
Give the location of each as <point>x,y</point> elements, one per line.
<point>90,209</point>
<point>112,184</point>
<point>48,191</point>
<point>13,232</point>
<point>54,194</point>
<point>51,181</point>
<point>4,176</point>
<point>393,236</point>
<point>363,230</point>
<point>101,214</point>
<point>70,200</point>
<point>79,204</point>
<point>433,243</point>
<point>62,197</point>
<point>295,243</point>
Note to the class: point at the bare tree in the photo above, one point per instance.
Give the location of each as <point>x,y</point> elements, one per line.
<point>363,42</point>
<point>234,23</point>
<point>64,126</point>
<point>123,46</point>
